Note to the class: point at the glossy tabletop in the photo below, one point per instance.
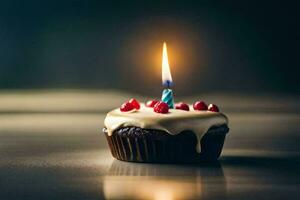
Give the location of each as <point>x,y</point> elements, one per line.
<point>52,147</point>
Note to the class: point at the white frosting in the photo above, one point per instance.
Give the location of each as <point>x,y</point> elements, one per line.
<point>173,122</point>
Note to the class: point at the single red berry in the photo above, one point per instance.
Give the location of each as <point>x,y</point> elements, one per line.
<point>151,103</point>
<point>125,107</point>
<point>182,106</point>
<point>135,103</point>
<point>200,105</point>
<point>161,107</point>
<point>213,108</point>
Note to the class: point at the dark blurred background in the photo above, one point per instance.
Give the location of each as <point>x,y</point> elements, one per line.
<point>236,46</point>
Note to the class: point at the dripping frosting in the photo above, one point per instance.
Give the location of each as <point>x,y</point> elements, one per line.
<point>173,122</point>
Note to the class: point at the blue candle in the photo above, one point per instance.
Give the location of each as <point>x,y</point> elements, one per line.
<point>167,95</point>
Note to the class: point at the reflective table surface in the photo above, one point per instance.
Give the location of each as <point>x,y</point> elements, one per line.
<point>52,147</point>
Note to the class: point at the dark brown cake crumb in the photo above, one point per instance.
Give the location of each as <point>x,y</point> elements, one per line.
<point>150,145</point>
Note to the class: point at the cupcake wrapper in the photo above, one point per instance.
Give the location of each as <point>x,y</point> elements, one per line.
<point>143,145</point>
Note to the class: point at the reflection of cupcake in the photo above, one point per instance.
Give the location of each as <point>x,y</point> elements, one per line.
<point>144,135</point>
<point>164,182</point>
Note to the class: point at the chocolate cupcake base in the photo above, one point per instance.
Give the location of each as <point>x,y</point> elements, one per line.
<point>136,144</point>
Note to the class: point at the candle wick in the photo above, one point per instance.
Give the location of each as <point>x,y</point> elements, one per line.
<point>168,84</point>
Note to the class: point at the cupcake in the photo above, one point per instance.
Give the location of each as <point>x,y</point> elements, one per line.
<point>153,133</point>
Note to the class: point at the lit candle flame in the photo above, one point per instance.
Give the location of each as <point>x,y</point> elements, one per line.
<point>166,73</point>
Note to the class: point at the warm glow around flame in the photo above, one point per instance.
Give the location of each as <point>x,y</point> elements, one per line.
<point>166,74</point>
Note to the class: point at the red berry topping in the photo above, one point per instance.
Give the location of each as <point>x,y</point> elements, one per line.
<point>161,107</point>
<point>135,103</point>
<point>182,106</point>
<point>125,107</point>
<point>213,108</point>
<point>200,105</point>
<point>151,103</point>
